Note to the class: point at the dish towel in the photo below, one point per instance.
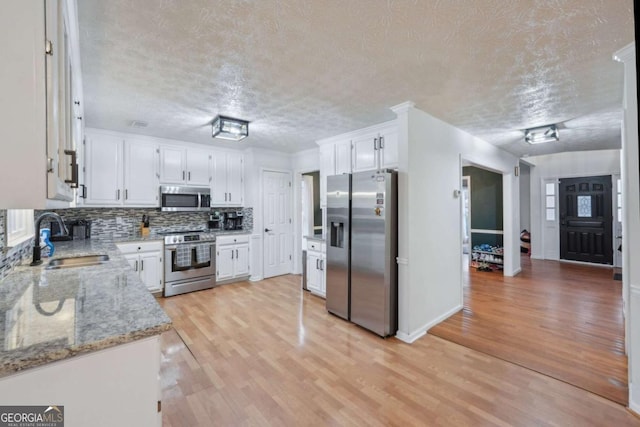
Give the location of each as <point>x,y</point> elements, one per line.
<point>183,256</point>
<point>203,254</point>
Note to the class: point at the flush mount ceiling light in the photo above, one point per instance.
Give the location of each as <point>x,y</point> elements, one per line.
<point>229,128</point>
<point>541,135</point>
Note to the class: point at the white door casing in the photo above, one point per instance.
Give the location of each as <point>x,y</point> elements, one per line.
<point>276,202</point>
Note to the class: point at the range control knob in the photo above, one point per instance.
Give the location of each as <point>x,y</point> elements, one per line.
<point>175,239</point>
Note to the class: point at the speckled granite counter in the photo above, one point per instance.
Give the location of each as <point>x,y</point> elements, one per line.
<point>49,315</point>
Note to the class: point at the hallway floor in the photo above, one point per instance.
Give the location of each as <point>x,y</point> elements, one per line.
<point>562,320</point>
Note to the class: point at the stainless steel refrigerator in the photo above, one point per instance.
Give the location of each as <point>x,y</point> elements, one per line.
<point>362,246</point>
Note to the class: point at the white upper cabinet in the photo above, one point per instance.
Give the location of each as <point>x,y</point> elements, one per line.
<point>198,167</point>
<point>388,151</point>
<point>365,152</point>
<point>372,148</point>
<point>327,167</point>
<point>173,165</point>
<point>343,157</point>
<point>180,165</point>
<point>377,149</point>
<point>103,170</point>
<point>227,184</point>
<point>40,81</point>
<point>141,185</point>
<point>235,178</point>
<point>119,172</point>
<point>219,194</point>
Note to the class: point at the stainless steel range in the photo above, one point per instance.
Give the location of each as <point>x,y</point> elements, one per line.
<point>189,261</point>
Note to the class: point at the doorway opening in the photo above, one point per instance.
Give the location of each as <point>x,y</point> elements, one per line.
<point>483,231</point>
<point>311,214</point>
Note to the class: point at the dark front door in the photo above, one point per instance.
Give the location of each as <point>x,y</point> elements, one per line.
<point>585,219</point>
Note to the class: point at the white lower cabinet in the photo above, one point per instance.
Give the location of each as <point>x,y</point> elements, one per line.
<point>146,259</point>
<point>232,257</point>
<point>316,262</point>
<point>124,378</point>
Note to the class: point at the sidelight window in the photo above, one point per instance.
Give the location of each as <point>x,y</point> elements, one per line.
<point>550,201</point>
<point>619,199</point>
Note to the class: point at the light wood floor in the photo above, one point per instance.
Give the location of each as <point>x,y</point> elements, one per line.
<point>267,353</point>
<point>563,320</point>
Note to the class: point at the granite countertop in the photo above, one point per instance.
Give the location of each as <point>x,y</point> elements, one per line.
<point>316,238</point>
<point>49,315</point>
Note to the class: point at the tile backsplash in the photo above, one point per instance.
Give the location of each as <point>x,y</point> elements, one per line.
<point>124,222</point>
<point>113,223</point>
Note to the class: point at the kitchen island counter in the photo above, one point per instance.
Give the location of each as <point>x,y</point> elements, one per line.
<point>51,315</point>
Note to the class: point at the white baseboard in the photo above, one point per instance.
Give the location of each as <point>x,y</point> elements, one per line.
<point>409,338</point>
<point>255,278</point>
<point>413,336</point>
<point>634,393</point>
<point>515,272</point>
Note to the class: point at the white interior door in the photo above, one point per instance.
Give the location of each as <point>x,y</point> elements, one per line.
<point>276,204</point>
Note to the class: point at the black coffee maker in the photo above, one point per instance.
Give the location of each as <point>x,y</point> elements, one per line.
<point>233,220</point>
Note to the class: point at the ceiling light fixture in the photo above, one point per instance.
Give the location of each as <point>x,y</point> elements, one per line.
<point>541,134</point>
<point>228,128</point>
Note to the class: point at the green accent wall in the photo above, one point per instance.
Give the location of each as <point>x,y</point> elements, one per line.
<point>486,205</point>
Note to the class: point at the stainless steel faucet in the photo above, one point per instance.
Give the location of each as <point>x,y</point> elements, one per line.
<point>36,240</point>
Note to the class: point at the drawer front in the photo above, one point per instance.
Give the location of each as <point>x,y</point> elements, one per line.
<point>314,245</point>
<point>232,239</point>
<point>133,247</point>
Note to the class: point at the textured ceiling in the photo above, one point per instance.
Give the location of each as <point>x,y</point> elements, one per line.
<point>309,69</point>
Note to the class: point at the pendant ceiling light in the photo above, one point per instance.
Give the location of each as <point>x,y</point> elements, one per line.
<point>229,128</point>
<point>541,135</point>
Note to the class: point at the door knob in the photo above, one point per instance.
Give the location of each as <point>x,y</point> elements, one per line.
<point>266,230</point>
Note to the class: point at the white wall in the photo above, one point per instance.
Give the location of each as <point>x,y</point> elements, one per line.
<point>525,197</point>
<point>430,216</point>
<point>255,161</point>
<point>545,237</point>
<point>630,175</point>
<point>302,162</point>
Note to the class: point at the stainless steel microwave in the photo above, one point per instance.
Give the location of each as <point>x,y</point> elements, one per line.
<point>178,198</point>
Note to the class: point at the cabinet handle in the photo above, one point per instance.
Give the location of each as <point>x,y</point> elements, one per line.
<point>118,194</point>
<point>225,197</point>
<point>183,175</point>
<point>231,253</point>
<point>317,264</point>
<point>74,168</point>
<point>381,143</point>
<point>141,265</point>
<point>375,144</point>
<point>229,196</point>
<point>236,253</point>
<point>136,267</point>
<point>126,194</point>
<point>322,264</point>
<point>189,176</point>
<point>83,195</point>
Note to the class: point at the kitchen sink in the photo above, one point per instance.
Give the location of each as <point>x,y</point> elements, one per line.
<point>77,261</point>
